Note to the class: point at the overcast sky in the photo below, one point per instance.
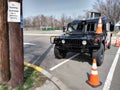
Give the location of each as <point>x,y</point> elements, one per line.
<point>56,7</point>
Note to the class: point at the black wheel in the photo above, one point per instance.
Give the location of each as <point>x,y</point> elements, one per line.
<point>90,52</point>
<point>99,55</point>
<point>59,53</point>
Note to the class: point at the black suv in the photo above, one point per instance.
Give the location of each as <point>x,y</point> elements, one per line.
<point>81,37</point>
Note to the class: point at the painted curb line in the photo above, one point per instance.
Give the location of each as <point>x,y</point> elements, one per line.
<point>55,80</point>
<point>42,34</point>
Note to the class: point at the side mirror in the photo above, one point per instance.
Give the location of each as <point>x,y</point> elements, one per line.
<point>64,28</point>
<point>111,27</point>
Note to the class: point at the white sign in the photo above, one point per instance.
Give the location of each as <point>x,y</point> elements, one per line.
<point>13,12</point>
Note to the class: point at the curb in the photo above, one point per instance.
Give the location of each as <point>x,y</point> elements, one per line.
<point>55,80</point>
<point>42,34</point>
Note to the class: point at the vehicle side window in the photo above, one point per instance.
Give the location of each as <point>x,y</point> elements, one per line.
<point>75,26</point>
<point>80,27</point>
<point>103,26</point>
<point>91,27</point>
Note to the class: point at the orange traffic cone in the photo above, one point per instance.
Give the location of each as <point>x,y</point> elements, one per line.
<point>94,78</point>
<point>99,28</point>
<point>117,43</point>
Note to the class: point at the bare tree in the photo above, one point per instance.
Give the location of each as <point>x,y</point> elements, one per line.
<point>40,21</point>
<point>51,21</point>
<point>109,8</point>
<point>69,19</point>
<point>27,22</point>
<point>63,18</point>
<point>36,21</point>
<point>43,20</point>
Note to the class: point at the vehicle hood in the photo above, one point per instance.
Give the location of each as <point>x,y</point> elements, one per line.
<point>79,36</point>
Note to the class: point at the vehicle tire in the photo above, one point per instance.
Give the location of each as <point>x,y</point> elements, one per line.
<point>99,55</point>
<point>90,52</point>
<point>59,53</point>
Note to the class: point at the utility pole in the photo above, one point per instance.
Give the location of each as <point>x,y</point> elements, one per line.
<point>4,45</point>
<point>16,42</point>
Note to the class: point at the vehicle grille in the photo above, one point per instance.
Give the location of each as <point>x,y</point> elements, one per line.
<point>73,42</point>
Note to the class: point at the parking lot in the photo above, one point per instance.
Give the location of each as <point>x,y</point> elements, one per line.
<point>74,70</point>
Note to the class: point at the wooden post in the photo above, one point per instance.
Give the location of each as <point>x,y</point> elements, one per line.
<point>16,47</point>
<point>4,45</point>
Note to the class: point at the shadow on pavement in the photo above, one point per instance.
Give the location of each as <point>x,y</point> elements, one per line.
<point>37,59</point>
<point>83,58</point>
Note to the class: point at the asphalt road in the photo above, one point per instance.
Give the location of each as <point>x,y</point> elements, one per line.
<point>74,70</point>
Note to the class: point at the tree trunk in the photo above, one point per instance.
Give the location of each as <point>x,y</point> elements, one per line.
<point>16,51</point>
<point>4,44</point>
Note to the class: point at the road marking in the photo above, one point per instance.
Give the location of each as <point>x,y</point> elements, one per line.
<point>111,72</point>
<point>58,65</point>
<point>29,44</point>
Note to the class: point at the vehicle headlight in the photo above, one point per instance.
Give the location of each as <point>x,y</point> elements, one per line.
<point>63,41</point>
<point>84,42</point>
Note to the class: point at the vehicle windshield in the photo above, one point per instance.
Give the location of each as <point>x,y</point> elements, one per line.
<point>77,28</point>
